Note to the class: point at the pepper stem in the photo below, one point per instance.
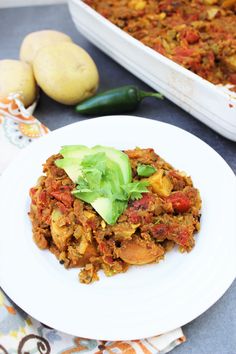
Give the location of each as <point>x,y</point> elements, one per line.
<point>143,94</point>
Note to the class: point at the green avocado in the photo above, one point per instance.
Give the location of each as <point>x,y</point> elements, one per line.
<point>80,151</point>
<point>109,209</point>
<point>74,151</point>
<point>120,158</point>
<point>71,166</point>
<point>100,174</point>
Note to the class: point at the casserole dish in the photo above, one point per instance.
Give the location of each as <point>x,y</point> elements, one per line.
<point>213,105</point>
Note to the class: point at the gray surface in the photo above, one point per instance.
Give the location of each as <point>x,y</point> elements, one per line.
<point>215,330</point>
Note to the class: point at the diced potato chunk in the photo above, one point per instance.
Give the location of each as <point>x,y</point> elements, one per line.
<point>83,245</point>
<point>161,16</point>
<point>88,274</point>
<point>79,231</point>
<point>212,12</point>
<point>137,4</point>
<point>89,214</point>
<point>210,2</point>
<point>228,3</point>
<point>124,230</point>
<point>84,235</point>
<point>60,234</point>
<point>230,62</point>
<point>103,224</point>
<point>137,252</point>
<point>160,183</point>
<point>78,260</point>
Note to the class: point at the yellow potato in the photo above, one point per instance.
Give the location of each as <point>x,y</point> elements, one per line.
<point>17,77</point>
<point>139,252</point>
<point>66,73</point>
<point>60,233</point>
<point>37,40</point>
<point>160,183</point>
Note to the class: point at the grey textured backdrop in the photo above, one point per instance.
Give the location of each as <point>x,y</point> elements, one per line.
<point>215,331</point>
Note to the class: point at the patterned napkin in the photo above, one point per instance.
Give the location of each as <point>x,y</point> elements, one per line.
<point>20,333</point>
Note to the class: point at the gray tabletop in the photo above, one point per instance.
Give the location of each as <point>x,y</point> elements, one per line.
<point>215,330</point>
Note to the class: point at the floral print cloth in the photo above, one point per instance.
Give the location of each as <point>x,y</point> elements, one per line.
<point>20,333</point>
<point>17,128</point>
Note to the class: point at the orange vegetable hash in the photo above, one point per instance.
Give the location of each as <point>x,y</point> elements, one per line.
<point>167,215</point>
<point>197,34</point>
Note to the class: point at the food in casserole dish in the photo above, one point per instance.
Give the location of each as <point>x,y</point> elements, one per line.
<point>101,208</point>
<point>198,34</point>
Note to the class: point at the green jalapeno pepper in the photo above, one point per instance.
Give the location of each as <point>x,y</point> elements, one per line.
<point>118,100</point>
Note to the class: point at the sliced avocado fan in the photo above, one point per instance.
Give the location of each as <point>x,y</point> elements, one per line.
<point>102,176</point>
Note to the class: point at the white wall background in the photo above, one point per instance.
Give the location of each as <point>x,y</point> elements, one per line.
<point>12,3</point>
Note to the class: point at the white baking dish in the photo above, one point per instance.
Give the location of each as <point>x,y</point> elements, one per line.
<point>213,105</point>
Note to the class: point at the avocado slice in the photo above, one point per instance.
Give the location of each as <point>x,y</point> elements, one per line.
<point>80,151</point>
<point>71,166</point>
<point>109,200</point>
<point>75,151</point>
<point>109,209</point>
<point>100,173</point>
<point>120,158</point>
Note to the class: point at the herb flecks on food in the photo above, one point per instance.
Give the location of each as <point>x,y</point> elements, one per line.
<point>135,189</point>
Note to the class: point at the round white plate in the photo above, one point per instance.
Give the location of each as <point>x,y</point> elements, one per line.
<point>146,300</point>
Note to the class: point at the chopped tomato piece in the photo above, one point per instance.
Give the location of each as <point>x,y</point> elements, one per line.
<point>159,48</point>
<point>182,237</point>
<point>191,36</point>
<point>108,260</point>
<point>180,202</point>
<point>232,79</point>
<point>61,207</point>
<point>134,217</point>
<point>160,231</point>
<point>144,202</point>
<point>64,197</point>
<point>183,52</point>
<point>43,197</point>
<point>33,191</point>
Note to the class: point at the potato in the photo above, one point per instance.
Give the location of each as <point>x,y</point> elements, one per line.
<point>230,62</point>
<point>37,40</point>
<point>17,77</point>
<point>160,183</point>
<point>78,260</point>
<point>66,73</point>
<point>60,233</point>
<point>139,252</point>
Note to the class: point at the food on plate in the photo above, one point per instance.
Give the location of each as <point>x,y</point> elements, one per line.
<point>198,34</point>
<point>36,40</point>
<point>101,208</point>
<point>66,73</point>
<point>103,178</point>
<point>118,100</point>
<point>17,77</point>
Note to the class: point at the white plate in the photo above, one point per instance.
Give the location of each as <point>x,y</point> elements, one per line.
<point>146,300</point>
<point>211,104</point>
